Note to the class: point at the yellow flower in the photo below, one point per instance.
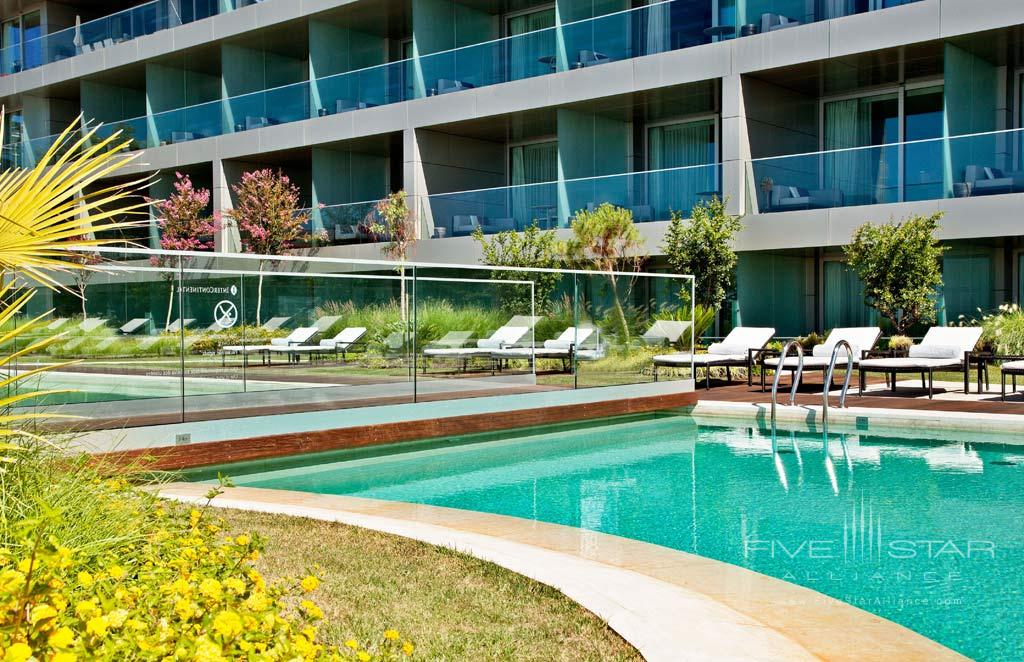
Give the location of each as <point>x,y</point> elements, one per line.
<point>41,612</point>
<point>311,609</point>
<point>352,643</point>
<point>309,583</point>
<point>18,652</point>
<point>391,634</point>
<point>363,656</point>
<point>211,588</point>
<point>116,571</point>
<point>184,609</point>
<point>235,585</point>
<point>62,638</point>
<point>86,608</point>
<point>207,651</point>
<point>85,579</point>
<point>227,624</point>
<point>97,625</point>
<point>194,516</point>
<point>242,540</point>
<point>408,648</point>
<point>257,602</point>
<point>117,617</point>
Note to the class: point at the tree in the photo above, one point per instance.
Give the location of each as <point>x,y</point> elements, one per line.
<point>899,265</point>
<point>703,247</point>
<point>533,248</point>
<point>392,221</point>
<point>606,239</point>
<point>268,218</point>
<point>184,226</point>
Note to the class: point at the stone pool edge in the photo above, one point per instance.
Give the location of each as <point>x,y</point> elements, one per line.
<point>670,605</point>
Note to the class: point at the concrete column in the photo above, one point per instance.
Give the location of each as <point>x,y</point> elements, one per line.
<point>415,183</point>
<point>735,146</point>
<point>227,239</point>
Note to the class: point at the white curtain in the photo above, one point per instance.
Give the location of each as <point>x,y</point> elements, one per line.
<point>534,168</point>
<point>679,146</point>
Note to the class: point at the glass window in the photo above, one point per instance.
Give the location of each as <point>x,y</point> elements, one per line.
<point>534,163</point>
<point>31,31</point>
<point>924,114</point>
<point>682,144</point>
<point>843,301</point>
<point>864,176</point>
<point>530,22</point>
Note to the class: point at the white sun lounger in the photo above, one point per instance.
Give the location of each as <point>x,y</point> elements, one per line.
<point>299,336</point>
<point>55,324</point>
<point>325,323</point>
<point>275,323</point>
<point>339,344</point>
<point>133,325</point>
<point>561,347</point>
<point>665,332</point>
<point>505,337</point>
<point>862,339</point>
<point>177,325</point>
<point>736,349</point>
<point>942,348</point>
<point>90,325</point>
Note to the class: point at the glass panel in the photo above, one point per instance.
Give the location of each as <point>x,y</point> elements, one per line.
<point>32,30</point>
<point>192,123</point>
<point>11,37</point>
<point>844,298</point>
<point>269,107</point>
<point>474,333</point>
<point>924,115</point>
<point>852,123</point>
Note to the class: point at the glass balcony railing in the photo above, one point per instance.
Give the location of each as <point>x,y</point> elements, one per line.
<point>656,28</point>
<point>759,16</point>
<point>109,30</point>
<point>651,196</point>
<point>959,166</point>
<point>339,225</point>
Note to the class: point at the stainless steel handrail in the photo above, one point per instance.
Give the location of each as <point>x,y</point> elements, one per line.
<point>828,380</point>
<point>796,377</point>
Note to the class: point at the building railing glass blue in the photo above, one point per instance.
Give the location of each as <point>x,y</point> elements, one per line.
<point>657,28</point>
<point>106,31</point>
<point>651,196</point>
<point>954,167</point>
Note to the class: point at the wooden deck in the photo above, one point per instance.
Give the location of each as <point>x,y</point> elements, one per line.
<point>905,397</point>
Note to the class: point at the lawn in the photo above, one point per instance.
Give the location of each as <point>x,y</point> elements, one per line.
<point>452,606</point>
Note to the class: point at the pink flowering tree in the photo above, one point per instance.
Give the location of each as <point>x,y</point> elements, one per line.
<point>184,225</point>
<point>268,218</point>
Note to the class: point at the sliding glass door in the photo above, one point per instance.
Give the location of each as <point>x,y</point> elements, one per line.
<point>674,152</point>
<point>531,43</point>
<point>881,148</point>
<point>533,169</point>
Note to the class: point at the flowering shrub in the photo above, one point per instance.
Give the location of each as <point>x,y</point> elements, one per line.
<point>186,589</point>
<point>1003,330</point>
<point>267,212</point>
<point>184,226</point>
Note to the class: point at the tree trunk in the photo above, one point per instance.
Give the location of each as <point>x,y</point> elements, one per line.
<point>619,310</point>
<point>170,307</point>
<point>259,297</point>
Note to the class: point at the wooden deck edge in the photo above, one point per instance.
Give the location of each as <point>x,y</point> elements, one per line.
<point>169,458</point>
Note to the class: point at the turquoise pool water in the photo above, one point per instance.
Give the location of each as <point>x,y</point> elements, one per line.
<point>929,534</point>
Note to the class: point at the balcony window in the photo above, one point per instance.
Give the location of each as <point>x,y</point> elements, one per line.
<point>681,145</point>
<point>20,41</point>
<point>532,166</point>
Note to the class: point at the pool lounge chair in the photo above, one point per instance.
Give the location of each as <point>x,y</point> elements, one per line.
<point>177,325</point>
<point>338,345</point>
<point>738,349</point>
<point>326,322</point>
<point>862,339</point>
<point>665,332</point>
<point>274,323</point>
<point>1012,369</point>
<point>299,336</point>
<point>134,326</point>
<point>943,348</point>
<point>563,347</point>
<point>56,324</point>
<point>509,335</point>
<point>91,324</point>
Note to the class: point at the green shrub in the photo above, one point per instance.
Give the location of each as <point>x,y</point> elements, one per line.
<point>1003,330</point>
<point>900,343</point>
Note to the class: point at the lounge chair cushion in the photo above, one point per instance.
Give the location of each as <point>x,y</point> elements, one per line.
<point>882,365</point>
<point>297,337</point>
<point>506,335</point>
<point>860,338</point>
<point>568,338</point>
<point>1013,366</point>
<point>722,348</point>
<point>936,352</point>
<point>810,362</point>
<point>963,337</point>
<point>684,359</point>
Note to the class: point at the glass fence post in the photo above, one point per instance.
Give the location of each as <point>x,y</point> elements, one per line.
<point>412,299</point>
<point>181,331</point>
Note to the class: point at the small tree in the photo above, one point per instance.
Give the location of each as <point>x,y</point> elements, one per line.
<point>86,262</point>
<point>184,226</point>
<point>392,221</point>
<point>899,266</point>
<point>703,247</point>
<point>607,240</point>
<point>533,248</point>
<point>268,218</point>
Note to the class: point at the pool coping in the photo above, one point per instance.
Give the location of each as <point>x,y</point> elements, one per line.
<point>668,604</point>
<point>864,419</point>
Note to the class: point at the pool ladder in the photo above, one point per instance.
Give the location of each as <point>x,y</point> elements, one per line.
<point>829,374</point>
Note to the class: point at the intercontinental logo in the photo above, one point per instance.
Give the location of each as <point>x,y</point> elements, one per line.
<point>231,290</point>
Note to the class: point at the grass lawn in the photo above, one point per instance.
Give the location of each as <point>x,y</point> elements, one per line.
<point>452,606</point>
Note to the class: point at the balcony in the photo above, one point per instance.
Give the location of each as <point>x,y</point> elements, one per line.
<point>955,167</point>
<point>666,26</point>
<point>651,196</point>
<point>95,35</point>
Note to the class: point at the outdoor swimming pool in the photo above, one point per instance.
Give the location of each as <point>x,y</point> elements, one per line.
<point>927,533</point>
